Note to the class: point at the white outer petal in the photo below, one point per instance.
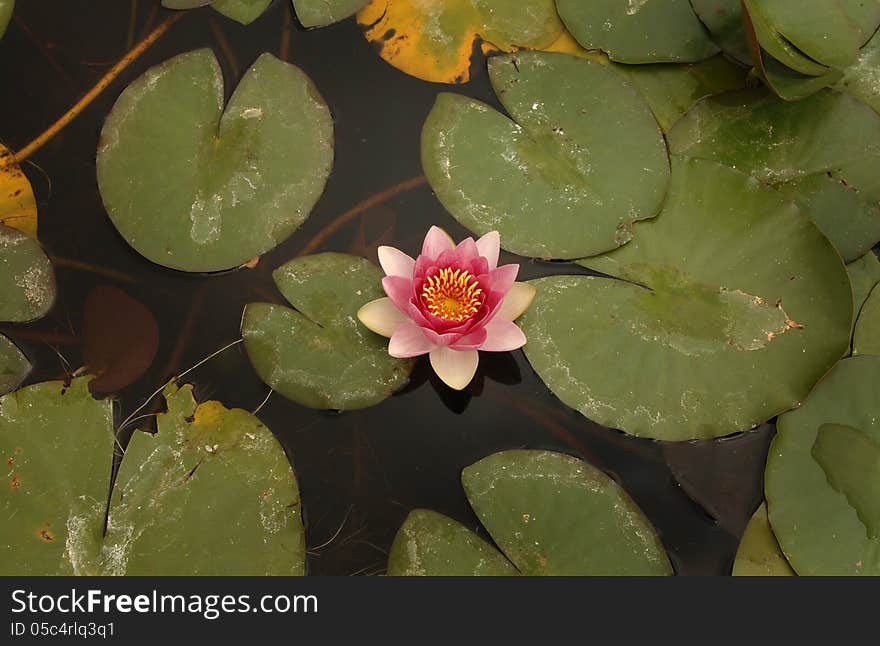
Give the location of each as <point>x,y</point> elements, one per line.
<point>517,301</point>
<point>382,316</point>
<point>489,247</point>
<point>396,263</point>
<point>456,368</point>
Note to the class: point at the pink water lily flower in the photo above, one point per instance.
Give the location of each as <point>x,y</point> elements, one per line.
<point>449,303</point>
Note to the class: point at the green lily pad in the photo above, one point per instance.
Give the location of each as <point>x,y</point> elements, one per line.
<point>212,493</point>
<point>27,282</point>
<point>736,305</point>
<point>209,190</point>
<point>638,31</point>
<point>830,165</point>
<point>554,183</point>
<point>549,513</point>
<point>823,472</point>
<point>14,366</point>
<point>866,338</point>
<point>827,32</point>
<point>723,19</point>
<point>759,553</point>
<point>862,78</point>
<point>320,13</point>
<point>319,355</point>
<point>864,274</point>
<point>430,544</point>
<point>6,7</point>
<point>243,11</point>
<point>57,444</point>
<point>778,46</point>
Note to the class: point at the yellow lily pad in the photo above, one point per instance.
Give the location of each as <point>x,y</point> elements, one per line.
<point>18,207</point>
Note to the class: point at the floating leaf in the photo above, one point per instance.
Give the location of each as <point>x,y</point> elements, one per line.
<point>735,306</point>
<point>120,338</point>
<point>823,472</point>
<point>243,11</point>
<point>18,207</point>
<point>56,443</point>
<point>433,39</point>
<point>864,273</point>
<point>319,355</point>
<point>638,31</point>
<point>212,493</point>
<point>27,282</point>
<point>759,553</point>
<point>554,182</point>
<point>866,338</point>
<point>862,78</point>
<point>723,19</point>
<point>549,513</point>
<point>825,32</point>
<point>825,163</point>
<point>209,190</point>
<point>6,7</point>
<point>320,13</point>
<point>14,366</point>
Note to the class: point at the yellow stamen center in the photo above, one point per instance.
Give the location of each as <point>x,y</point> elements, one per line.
<point>452,295</point>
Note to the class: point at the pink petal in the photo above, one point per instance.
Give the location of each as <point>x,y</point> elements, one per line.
<point>517,301</point>
<point>396,263</point>
<point>466,251</point>
<point>471,341</point>
<point>436,242</point>
<point>501,279</point>
<point>399,290</point>
<point>502,336</point>
<point>489,247</point>
<point>455,368</point>
<point>409,341</point>
<point>382,316</point>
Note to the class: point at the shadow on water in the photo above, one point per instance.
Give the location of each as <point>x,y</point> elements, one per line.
<point>360,472</point>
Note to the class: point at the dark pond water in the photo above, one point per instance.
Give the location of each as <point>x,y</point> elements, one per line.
<point>360,472</point>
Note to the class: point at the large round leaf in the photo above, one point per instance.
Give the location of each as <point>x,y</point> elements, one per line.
<point>14,366</point>
<point>549,513</point>
<point>319,13</point>
<point>243,11</point>
<point>430,544</point>
<point>638,31</point>
<point>823,151</point>
<point>735,306</point>
<point>212,493</point>
<point>552,514</point>
<point>193,188</point>
<point>6,7</point>
<point>581,160</point>
<point>866,338</point>
<point>723,19</point>
<point>56,443</point>
<point>319,355</point>
<point>829,32</point>
<point>759,553</point>
<point>27,282</point>
<point>823,475</point>
<point>433,39</point>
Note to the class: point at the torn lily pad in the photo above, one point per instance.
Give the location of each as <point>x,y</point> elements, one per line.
<point>834,179</point>
<point>6,7</point>
<point>319,354</point>
<point>866,337</point>
<point>823,472</point>
<point>581,160</point>
<point>212,493</point>
<point>638,31</point>
<point>56,443</point>
<point>550,514</point>
<point>759,553</point>
<point>433,39</point>
<point>731,307</point>
<point>211,189</point>
<point>243,11</point>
